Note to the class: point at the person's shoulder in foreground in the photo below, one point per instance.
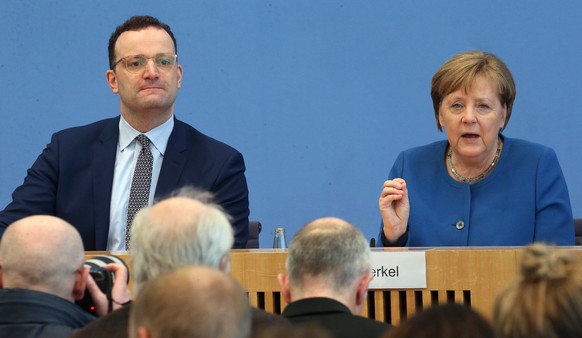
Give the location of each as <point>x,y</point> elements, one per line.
<point>113,325</point>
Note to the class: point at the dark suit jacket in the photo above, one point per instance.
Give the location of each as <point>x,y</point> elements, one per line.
<point>334,316</point>
<point>116,324</point>
<point>113,325</point>
<point>35,314</point>
<point>73,178</point>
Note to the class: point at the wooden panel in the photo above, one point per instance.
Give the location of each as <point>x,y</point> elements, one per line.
<point>269,302</point>
<point>380,306</point>
<point>254,299</point>
<point>426,298</point>
<point>395,306</point>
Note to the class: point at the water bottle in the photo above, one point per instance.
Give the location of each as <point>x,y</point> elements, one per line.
<point>280,242</point>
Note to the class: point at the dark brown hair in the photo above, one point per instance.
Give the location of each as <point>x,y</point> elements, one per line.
<point>136,23</point>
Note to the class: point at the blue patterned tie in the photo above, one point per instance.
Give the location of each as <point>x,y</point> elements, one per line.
<point>139,194</point>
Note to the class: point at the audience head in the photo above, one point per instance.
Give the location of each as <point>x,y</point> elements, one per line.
<point>43,253</point>
<point>179,231</point>
<point>136,23</point>
<point>444,321</point>
<point>330,258</point>
<point>192,302</point>
<point>461,72</point>
<point>546,300</point>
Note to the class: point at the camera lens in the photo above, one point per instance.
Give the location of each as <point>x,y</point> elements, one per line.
<point>103,278</point>
<point>94,263</point>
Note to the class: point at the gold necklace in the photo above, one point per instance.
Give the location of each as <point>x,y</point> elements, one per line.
<point>479,177</point>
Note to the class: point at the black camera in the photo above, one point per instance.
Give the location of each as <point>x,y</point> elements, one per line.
<point>103,278</point>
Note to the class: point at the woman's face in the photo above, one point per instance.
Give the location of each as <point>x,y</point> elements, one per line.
<point>472,120</point>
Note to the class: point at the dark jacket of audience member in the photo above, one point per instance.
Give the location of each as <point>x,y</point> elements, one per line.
<point>28,313</point>
<point>334,316</point>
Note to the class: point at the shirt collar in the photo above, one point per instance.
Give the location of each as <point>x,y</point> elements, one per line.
<point>158,136</point>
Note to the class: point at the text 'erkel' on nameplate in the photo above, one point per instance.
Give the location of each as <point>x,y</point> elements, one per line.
<point>398,270</point>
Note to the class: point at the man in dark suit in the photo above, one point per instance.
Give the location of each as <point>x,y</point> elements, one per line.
<point>328,272</point>
<point>84,175</point>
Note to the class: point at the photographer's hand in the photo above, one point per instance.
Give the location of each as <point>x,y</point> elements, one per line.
<point>120,293</point>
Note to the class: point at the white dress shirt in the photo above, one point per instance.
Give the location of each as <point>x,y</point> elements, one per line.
<point>125,160</point>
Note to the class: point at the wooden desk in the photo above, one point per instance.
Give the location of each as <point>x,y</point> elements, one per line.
<point>473,276</point>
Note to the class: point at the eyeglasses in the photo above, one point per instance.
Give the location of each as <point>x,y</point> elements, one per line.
<point>137,63</point>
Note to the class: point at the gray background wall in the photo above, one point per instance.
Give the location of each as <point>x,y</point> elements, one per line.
<point>320,96</point>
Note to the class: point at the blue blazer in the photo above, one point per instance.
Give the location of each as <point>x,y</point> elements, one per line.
<point>524,199</point>
<point>73,177</point>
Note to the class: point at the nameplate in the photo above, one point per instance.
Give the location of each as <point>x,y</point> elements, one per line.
<point>398,270</point>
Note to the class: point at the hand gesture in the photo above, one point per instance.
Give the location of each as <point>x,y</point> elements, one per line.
<point>394,208</point>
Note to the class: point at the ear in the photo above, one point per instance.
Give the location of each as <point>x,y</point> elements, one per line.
<point>363,289</point>
<point>285,289</point>
<point>142,332</point>
<point>441,123</point>
<point>112,81</point>
<point>224,264</point>
<point>180,70</point>
<point>80,283</point>
<point>1,278</point>
<point>503,117</point>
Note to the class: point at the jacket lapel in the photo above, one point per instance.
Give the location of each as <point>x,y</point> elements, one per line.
<point>174,161</point>
<point>104,154</point>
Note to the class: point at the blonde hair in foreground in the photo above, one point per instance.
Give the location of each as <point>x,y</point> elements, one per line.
<point>546,300</point>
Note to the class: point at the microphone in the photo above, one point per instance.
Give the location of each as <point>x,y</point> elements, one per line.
<point>372,242</point>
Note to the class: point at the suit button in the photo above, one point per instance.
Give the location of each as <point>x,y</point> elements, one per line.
<point>460,225</point>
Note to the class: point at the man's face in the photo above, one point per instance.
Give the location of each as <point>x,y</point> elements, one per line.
<point>151,91</point>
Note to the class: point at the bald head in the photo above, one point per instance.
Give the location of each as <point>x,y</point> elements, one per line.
<point>193,301</point>
<point>327,225</point>
<point>178,232</point>
<point>41,253</point>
